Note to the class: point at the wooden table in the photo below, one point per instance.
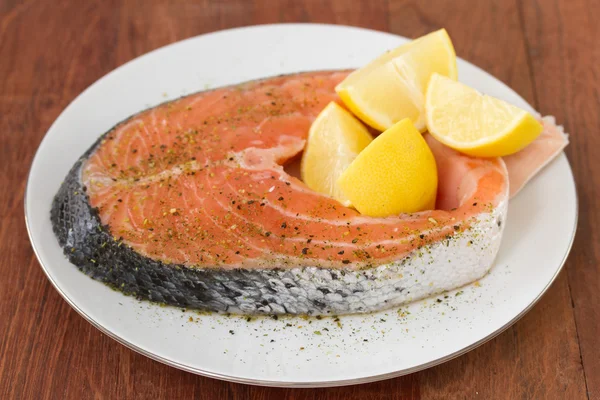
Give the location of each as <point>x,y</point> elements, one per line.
<point>50,51</point>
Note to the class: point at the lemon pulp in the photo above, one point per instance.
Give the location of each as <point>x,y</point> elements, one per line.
<point>392,87</point>
<point>335,138</point>
<point>476,124</point>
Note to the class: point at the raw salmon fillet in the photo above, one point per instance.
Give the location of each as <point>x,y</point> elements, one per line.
<point>188,204</point>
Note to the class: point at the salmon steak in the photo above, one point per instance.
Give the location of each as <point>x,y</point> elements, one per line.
<point>188,204</point>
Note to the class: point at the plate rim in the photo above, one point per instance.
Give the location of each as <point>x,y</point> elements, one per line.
<point>271,383</point>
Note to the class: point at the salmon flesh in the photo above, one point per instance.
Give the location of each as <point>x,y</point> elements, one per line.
<point>188,204</point>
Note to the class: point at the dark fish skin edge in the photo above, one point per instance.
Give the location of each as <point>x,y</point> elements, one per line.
<point>90,246</point>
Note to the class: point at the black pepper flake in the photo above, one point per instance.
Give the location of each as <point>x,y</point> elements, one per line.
<point>120,200</point>
<point>280,199</point>
<point>309,240</point>
<point>422,236</point>
<point>456,227</point>
<point>267,234</point>
<point>287,183</point>
<point>134,151</point>
<point>237,252</point>
<point>232,332</point>
<point>341,252</point>
<point>345,261</point>
<point>284,225</point>
<point>305,250</point>
<point>250,201</point>
<point>355,240</point>
<point>474,204</point>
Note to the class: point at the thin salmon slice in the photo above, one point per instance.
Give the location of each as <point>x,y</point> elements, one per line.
<point>525,164</point>
<point>188,204</point>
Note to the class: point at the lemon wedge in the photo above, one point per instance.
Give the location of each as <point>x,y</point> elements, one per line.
<point>392,87</point>
<point>394,174</point>
<point>476,124</point>
<point>335,138</point>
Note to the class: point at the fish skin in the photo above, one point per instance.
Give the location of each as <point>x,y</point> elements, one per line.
<point>432,269</point>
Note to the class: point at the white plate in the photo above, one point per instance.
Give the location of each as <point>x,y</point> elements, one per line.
<point>288,351</point>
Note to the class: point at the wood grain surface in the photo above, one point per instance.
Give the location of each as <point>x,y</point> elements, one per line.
<point>547,50</point>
